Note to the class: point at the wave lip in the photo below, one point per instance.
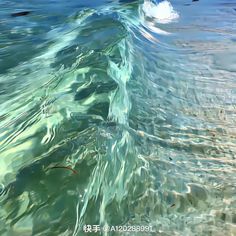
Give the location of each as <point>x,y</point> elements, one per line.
<point>162,12</point>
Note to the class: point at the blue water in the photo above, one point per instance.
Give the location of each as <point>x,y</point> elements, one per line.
<point>118,113</point>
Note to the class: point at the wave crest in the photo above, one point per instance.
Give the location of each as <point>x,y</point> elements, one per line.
<point>163,12</point>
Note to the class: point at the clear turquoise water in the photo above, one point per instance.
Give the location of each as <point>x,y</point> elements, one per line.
<point>142,112</point>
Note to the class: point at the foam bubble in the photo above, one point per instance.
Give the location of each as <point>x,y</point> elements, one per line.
<point>163,12</point>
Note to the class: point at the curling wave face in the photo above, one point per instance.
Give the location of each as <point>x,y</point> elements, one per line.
<point>118,113</point>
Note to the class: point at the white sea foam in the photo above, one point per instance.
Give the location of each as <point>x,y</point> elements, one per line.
<point>162,12</point>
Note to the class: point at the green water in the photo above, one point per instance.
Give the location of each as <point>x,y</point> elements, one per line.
<point>111,118</point>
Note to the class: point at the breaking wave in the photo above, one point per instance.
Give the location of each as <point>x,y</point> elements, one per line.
<point>162,12</point>
<point>109,117</point>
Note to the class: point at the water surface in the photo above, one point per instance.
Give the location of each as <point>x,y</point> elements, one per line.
<point>138,102</point>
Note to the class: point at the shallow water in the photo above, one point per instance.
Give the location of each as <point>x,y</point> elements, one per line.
<point>111,114</point>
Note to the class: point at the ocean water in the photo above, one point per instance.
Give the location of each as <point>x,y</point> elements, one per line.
<point>118,113</point>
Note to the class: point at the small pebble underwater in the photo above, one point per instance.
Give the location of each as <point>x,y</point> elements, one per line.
<point>118,117</point>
